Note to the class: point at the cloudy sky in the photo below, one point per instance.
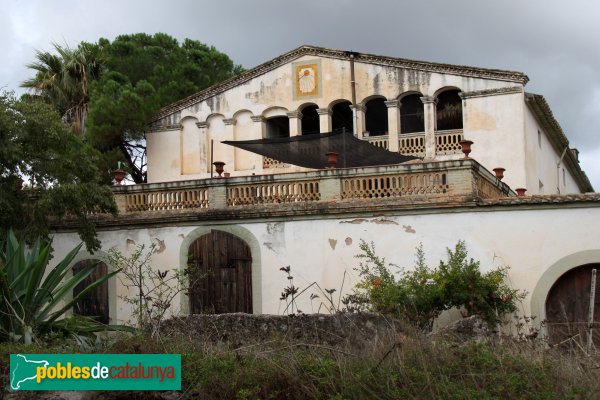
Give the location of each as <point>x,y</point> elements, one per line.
<point>556,43</point>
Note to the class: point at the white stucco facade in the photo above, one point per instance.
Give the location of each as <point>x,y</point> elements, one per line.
<point>314,220</point>
<point>538,244</point>
<point>495,116</point>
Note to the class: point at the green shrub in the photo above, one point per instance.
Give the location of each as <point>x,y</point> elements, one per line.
<point>421,294</point>
<point>34,300</point>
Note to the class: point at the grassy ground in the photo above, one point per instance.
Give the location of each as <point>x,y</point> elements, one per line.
<point>409,366</point>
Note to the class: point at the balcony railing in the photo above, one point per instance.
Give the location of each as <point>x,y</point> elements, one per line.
<point>421,182</point>
<point>272,163</point>
<point>448,142</point>
<point>378,141</point>
<point>412,144</point>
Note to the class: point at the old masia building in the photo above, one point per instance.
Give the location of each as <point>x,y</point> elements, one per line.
<point>269,212</point>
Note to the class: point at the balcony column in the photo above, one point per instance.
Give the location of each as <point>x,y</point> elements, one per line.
<point>393,108</point>
<point>204,147</point>
<point>259,129</point>
<point>360,119</point>
<point>227,150</point>
<point>295,118</point>
<point>429,115</point>
<point>324,119</point>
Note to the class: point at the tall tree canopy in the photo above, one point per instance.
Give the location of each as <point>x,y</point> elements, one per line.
<point>145,73</point>
<point>63,80</point>
<point>115,88</point>
<point>60,171</point>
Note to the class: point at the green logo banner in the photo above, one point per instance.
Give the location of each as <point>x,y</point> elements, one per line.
<point>95,371</point>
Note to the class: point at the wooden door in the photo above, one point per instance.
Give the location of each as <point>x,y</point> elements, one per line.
<point>95,303</point>
<point>568,304</point>
<point>220,272</point>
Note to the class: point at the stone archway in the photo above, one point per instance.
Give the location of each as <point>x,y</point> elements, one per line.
<point>220,272</point>
<point>568,304</point>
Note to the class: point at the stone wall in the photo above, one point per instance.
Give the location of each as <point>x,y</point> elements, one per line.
<point>354,331</point>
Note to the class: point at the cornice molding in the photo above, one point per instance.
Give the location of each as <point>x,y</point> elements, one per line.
<point>543,114</point>
<point>258,118</point>
<point>491,92</point>
<point>294,114</point>
<point>162,128</point>
<point>392,103</point>
<point>461,70</point>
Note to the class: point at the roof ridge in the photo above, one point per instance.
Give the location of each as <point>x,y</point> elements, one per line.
<point>505,75</point>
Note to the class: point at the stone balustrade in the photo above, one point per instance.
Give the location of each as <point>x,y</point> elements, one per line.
<point>415,182</point>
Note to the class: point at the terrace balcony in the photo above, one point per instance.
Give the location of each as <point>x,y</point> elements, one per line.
<point>418,184</point>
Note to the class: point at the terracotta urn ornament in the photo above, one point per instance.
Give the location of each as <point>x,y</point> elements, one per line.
<point>219,167</point>
<point>119,176</point>
<point>520,192</point>
<point>499,172</point>
<point>465,146</point>
<point>332,159</point>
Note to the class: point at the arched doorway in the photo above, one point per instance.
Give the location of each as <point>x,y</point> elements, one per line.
<point>95,303</point>
<point>220,273</point>
<point>568,305</point>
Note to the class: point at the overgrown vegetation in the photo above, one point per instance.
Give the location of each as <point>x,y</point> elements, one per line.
<point>109,91</point>
<point>419,295</point>
<point>46,172</point>
<point>150,292</point>
<point>34,300</point>
<point>408,366</point>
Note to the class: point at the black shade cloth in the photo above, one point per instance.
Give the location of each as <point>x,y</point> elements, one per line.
<point>309,151</point>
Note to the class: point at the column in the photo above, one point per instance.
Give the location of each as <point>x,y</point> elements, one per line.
<point>429,115</point>
<point>360,119</point>
<point>324,119</point>
<point>204,147</point>
<point>260,127</point>
<point>295,118</point>
<point>393,108</point>
<point>227,150</point>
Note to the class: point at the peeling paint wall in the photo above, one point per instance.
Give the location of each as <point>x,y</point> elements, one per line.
<point>323,251</point>
<point>275,89</point>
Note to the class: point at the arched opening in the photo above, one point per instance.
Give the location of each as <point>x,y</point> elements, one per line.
<point>95,303</point>
<point>376,117</point>
<point>220,273</point>
<point>278,127</point>
<point>448,110</point>
<point>411,114</point>
<point>341,116</point>
<point>568,306</point>
<point>310,120</point>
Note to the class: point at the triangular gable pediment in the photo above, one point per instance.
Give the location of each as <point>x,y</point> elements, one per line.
<point>288,58</point>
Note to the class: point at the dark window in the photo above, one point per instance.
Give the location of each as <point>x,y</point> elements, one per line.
<point>376,117</point>
<point>310,120</point>
<point>411,114</point>
<point>449,111</point>
<point>278,127</point>
<point>341,116</point>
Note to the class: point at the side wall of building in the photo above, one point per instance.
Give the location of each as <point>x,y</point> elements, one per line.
<point>538,244</point>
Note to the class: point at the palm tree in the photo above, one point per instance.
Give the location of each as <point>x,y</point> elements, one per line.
<point>64,79</point>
